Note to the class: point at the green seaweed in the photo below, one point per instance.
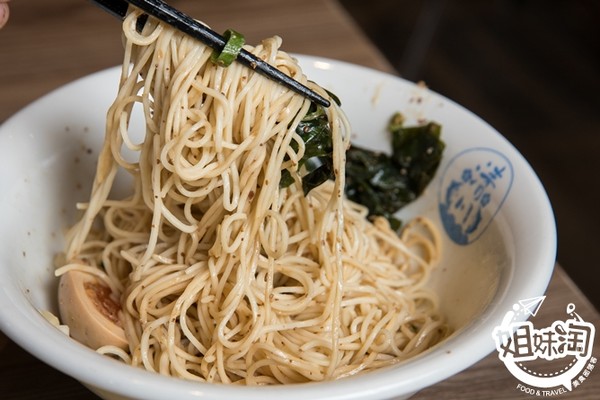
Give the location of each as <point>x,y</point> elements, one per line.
<point>384,183</point>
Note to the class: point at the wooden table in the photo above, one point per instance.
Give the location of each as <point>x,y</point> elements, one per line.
<point>49,43</point>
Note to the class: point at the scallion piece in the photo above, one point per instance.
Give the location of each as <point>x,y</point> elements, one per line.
<point>233,45</point>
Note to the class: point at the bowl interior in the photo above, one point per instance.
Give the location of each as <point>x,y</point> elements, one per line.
<point>489,262</point>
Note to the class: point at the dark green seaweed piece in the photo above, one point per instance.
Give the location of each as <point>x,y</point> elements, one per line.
<point>373,180</point>
<point>417,151</point>
<point>386,183</point>
<point>316,165</point>
<point>381,182</point>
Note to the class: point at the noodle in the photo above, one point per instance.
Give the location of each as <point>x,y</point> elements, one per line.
<point>221,275</point>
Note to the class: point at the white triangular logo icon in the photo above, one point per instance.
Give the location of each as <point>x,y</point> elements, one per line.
<point>532,305</point>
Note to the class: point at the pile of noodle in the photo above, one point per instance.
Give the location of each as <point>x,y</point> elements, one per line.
<point>221,275</point>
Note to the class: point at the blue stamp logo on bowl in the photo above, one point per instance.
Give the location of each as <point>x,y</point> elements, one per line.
<point>473,188</point>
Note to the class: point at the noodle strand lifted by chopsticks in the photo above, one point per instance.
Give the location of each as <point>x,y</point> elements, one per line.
<point>222,276</point>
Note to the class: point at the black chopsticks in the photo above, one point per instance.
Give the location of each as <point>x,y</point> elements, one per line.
<point>188,25</point>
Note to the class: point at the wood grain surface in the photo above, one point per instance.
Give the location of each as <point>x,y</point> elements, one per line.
<point>47,44</point>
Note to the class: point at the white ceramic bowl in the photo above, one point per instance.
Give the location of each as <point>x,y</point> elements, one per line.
<point>48,153</point>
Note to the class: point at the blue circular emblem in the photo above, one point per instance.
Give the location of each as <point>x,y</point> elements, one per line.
<point>473,188</point>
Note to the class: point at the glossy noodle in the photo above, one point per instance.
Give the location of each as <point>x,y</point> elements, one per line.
<point>221,275</point>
